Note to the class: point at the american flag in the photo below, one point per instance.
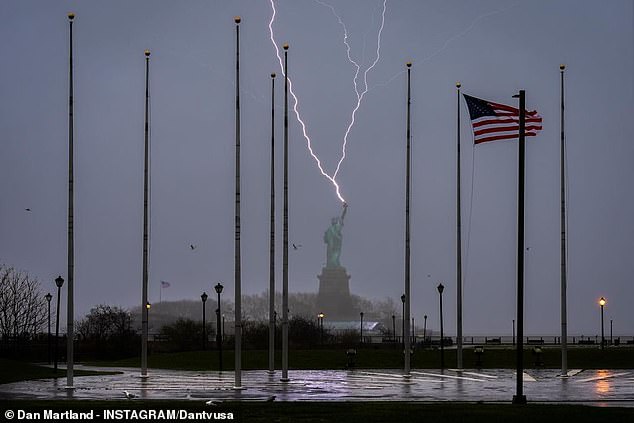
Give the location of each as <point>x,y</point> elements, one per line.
<point>494,121</point>
<point>165,284</point>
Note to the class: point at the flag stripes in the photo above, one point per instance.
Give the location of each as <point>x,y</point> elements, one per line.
<point>494,121</point>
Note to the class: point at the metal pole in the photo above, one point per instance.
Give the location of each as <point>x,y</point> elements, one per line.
<point>218,337</point>
<point>611,341</point>
<point>602,335</point>
<point>403,324</point>
<point>519,397</point>
<point>361,314</point>
<point>458,240</point>
<point>70,319</point>
<point>204,328</point>
<point>59,289</point>
<point>321,330</point>
<point>424,328</point>
<point>513,331</point>
<point>442,338</point>
<point>406,344</point>
<point>237,260</point>
<point>144,295</point>
<point>562,179</point>
<point>394,327</point>
<point>285,230</point>
<point>272,237</point>
<point>48,338</point>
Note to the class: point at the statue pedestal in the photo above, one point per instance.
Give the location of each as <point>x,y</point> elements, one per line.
<point>334,298</point>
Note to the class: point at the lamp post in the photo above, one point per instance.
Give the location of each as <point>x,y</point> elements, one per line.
<point>218,289</point>
<point>48,339</point>
<point>424,329</point>
<point>204,297</point>
<point>441,288</point>
<point>320,320</point>
<point>394,327</point>
<point>59,281</point>
<point>361,327</point>
<point>611,332</point>
<point>403,321</point>
<point>148,306</point>
<point>602,302</point>
<point>223,333</point>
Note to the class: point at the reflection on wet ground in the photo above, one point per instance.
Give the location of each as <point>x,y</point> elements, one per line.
<point>601,387</point>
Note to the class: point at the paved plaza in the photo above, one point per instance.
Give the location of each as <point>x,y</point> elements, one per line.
<point>599,387</point>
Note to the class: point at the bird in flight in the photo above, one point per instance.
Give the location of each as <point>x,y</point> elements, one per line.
<point>27,209</point>
<point>297,246</point>
<point>192,247</point>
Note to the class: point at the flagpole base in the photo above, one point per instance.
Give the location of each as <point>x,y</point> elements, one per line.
<point>519,399</point>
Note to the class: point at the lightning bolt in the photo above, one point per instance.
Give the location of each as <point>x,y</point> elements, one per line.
<point>359,93</point>
<point>296,109</point>
<point>356,75</point>
<point>447,42</point>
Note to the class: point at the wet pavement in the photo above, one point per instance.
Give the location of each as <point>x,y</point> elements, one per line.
<point>599,387</point>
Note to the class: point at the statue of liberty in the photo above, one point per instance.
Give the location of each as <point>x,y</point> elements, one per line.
<point>333,238</point>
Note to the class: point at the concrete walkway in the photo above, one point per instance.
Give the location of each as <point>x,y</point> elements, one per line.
<point>600,387</point>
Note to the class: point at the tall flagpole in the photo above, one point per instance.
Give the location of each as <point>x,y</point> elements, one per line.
<point>272,241</point>
<point>406,339</point>
<point>146,162</point>
<point>519,397</point>
<point>70,319</point>
<point>285,230</point>
<point>564,318</point>
<point>458,239</point>
<point>237,259</point>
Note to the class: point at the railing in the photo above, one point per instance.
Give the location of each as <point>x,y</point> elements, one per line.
<point>434,340</point>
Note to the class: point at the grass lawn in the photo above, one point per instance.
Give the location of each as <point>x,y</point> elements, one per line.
<point>384,358</point>
<point>15,371</point>
<point>353,411</point>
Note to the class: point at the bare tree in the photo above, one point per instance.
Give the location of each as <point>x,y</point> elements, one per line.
<point>104,322</point>
<point>23,311</point>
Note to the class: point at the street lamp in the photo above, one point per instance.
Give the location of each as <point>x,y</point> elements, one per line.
<point>59,281</point>
<point>611,342</point>
<point>48,339</point>
<point>361,314</point>
<point>218,289</point>
<point>204,297</point>
<point>602,302</point>
<point>403,322</point>
<point>424,329</point>
<point>394,327</point>
<point>320,321</point>
<point>441,288</point>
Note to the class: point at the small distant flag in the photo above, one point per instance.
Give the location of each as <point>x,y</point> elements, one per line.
<point>165,284</point>
<point>494,121</point>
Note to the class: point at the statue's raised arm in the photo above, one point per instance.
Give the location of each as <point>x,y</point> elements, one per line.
<point>343,213</point>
